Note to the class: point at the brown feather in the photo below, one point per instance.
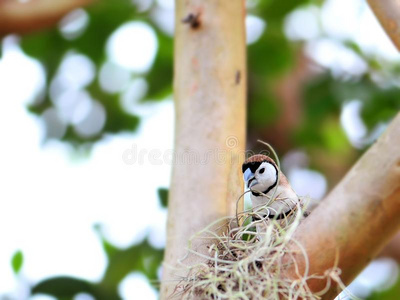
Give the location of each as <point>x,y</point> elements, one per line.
<point>259,158</point>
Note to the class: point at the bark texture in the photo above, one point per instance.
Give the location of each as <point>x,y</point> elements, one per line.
<point>24,17</point>
<point>388,14</point>
<point>358,217</point>
<point>209,92</point>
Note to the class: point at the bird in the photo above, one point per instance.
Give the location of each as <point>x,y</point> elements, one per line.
<point>271,193</point>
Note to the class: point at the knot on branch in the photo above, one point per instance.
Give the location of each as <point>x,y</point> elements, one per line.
<point>193,20</point>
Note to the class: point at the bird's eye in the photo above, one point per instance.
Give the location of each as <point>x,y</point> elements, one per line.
<point>262,170</point>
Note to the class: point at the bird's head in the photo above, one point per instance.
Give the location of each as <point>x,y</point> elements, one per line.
<point>260,173</point>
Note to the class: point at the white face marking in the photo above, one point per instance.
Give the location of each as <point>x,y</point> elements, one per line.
<point>265,176</point>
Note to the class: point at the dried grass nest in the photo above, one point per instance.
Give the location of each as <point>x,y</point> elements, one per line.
<point>244,264</point>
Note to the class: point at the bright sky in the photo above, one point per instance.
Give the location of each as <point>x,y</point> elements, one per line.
<point>51,198</point>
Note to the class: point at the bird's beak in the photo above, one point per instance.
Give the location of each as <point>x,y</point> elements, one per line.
<point>247,175</point>
<point>253,181</point>
<point>249,178</point>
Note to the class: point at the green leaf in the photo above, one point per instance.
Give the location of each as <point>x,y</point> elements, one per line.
<point>108,248</point>
<point>17,261</point>
<point>141,257</point>
<point>136,258</point>
<point>63,287</point>
<point>163,196</point>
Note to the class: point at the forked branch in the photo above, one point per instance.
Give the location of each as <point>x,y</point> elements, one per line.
<point>358,218</point>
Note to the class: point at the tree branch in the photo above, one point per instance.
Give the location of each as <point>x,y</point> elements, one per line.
<point>388,14</point>
<point>25,17</point>
<point>357,218</point>
<point>209,92</point>
<point>392,249</point>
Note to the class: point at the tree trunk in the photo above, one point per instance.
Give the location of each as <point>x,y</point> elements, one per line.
<point>209,92</point>
<point>357,218</point>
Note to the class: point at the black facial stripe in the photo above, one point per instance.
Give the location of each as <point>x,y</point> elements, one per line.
<point>253,166</point>
<point>272,186</point>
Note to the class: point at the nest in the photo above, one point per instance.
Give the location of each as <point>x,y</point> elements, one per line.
<point>247,256</point>
<point>243,262</point>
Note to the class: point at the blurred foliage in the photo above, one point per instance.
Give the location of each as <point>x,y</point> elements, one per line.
<point>16,261</point>
<point>104,18</point>
<point>141,258</point>
<point>391,294</point>
<point>163,196</point>
<point>270,59</point>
